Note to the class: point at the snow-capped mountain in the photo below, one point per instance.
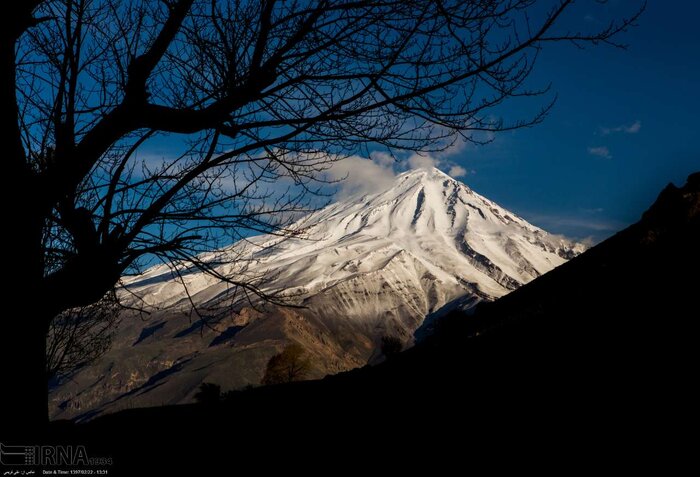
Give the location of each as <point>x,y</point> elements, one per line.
<point>425,241</point>
<point>364,267</point>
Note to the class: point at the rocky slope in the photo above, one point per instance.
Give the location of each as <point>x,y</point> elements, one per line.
<point>364,267</point>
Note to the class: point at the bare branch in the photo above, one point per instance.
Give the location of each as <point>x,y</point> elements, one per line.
<point>164,129</point>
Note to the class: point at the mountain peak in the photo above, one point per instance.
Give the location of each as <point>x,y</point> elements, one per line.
<point>423,170</point>
<point>430,172</point>
<point>367,266</point>
<point>429,175</point>
<point>429,222</point>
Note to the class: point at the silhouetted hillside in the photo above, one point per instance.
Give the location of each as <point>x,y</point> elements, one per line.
<point>603,346</point>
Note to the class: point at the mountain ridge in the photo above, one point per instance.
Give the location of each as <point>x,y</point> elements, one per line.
<point>545,371</point>
<point>380,219</point>
<point>368,266</point>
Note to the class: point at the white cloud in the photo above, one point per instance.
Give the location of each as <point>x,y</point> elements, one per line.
<point>357,175</point>
<point>600,151</point>
<point>457,171</point>
<point>383,159</point>
<point>417,161</point>
<point>632,128</point>
<point>458,146</point>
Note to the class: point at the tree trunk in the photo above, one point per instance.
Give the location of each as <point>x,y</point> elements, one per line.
<point>22,323</point>
<point>24,317</point>
<point>31,301</point>
<point>23,345</point>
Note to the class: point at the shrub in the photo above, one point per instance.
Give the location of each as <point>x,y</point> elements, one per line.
<point>289,365</point>
<point>209,393</point>
<point>391,346</point>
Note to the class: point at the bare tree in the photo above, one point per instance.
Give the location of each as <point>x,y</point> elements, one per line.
<point>251,90</point>
<point>286,367</point>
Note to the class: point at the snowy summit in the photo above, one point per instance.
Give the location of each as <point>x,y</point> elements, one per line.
<point>365,267</point>
<point>428,239</point>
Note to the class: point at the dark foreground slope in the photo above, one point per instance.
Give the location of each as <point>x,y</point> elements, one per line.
<point>598,356</point>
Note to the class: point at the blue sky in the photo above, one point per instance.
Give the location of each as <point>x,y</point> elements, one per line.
<point>625,125</point>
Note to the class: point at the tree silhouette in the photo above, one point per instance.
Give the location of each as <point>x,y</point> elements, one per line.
<point>79,336</point>
<point>288,366</point>
<point>209,393</point>
<point>391,346</point>
<point>259,95</point>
